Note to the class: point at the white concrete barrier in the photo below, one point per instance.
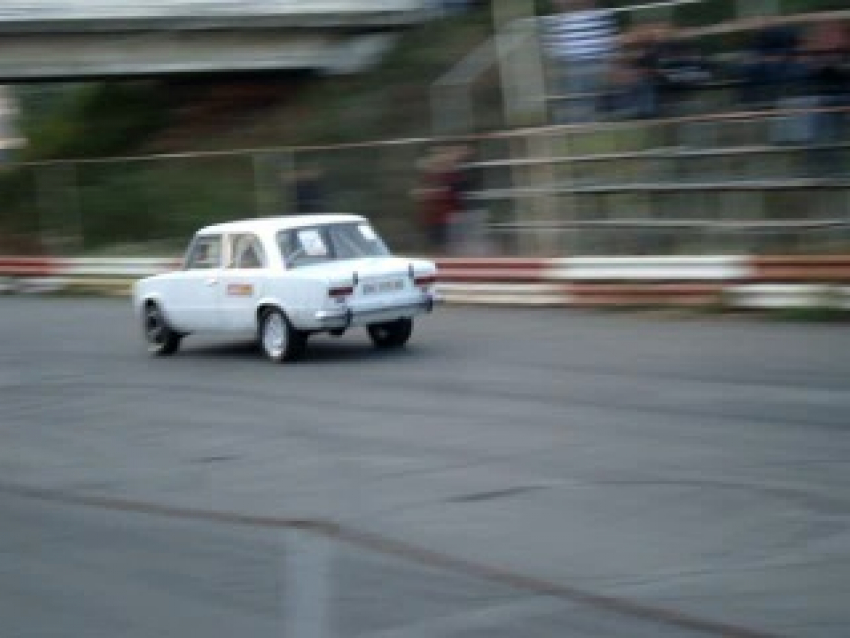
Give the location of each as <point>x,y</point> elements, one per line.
<point>733,281</point>
<point>8,285</point>
<point>118,267</point>
<point>633,269</point>
<point>783,296</point>
<point>41,285</point>
<point>504,294</point>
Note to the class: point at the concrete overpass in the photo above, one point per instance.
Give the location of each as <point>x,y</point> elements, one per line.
<point>76,39</point>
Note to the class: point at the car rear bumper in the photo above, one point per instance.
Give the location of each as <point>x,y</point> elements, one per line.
<point>349,317</point>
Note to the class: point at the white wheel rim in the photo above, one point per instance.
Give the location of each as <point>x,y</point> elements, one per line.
<point>274,335</point>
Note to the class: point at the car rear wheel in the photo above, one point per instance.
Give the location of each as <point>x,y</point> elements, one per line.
<point>393,334</point>
<point>161,339</point>
<point>279,340</point>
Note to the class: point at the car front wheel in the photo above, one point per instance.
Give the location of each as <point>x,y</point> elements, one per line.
<point>279,340</point>
<point>161,339</point>
<point>393,334</point>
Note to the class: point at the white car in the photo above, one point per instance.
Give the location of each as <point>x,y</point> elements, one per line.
<point>283,279</point>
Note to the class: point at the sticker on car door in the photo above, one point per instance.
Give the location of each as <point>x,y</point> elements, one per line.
<point>240,290</point>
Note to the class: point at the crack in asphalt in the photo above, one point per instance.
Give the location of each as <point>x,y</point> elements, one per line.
<point>416,554</point>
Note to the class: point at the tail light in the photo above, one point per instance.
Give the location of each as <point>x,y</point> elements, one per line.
<point>425,280</point>
<point>337,292</point>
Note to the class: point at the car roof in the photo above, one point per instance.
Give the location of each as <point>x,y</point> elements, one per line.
<point>283,222</point>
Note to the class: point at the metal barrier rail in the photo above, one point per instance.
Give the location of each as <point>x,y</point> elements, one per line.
<point>98,9</point>
<point>507,134</point>
<point>696,118</point>
<point>666,153</point>
<point>676,224</point>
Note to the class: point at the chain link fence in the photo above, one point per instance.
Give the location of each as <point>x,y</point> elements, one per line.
<point>151,205</point>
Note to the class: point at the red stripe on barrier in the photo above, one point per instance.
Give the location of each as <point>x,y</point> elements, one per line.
<point>809,269</point>
<point>30,266</point>
<point>479,263</point>
<point>490,276</point>
<point>645,294</point>
<point>491,270</point>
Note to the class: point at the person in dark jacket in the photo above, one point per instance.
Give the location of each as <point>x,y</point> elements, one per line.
<point>772,67</point>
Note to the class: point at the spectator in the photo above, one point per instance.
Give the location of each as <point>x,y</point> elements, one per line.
<point>468,227</point>
<point>309,190</point>
<point>826,53</point>
<point>633,87</point>
<point>581,41</point>
<point>771,68</point>
<point>679,70</point>
<point>437,197</point>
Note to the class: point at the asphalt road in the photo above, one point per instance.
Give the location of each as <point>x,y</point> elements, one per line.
<point>691,470</point>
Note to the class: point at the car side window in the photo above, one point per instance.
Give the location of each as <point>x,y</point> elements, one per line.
<point>205,253</point>
<point>246,251</point>
<point>304,246</point>
<point>351,241</point>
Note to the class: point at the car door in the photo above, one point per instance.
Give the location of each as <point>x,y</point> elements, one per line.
<point>193,302</point>
<point>242,281</point>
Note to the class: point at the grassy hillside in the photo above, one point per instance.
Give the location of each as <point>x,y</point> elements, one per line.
<point>389,101</point>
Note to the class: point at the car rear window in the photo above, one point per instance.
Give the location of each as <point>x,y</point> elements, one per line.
<point>318,244</point>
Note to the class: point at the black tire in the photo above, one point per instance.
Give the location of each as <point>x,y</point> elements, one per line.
<point>278,339</point>
<point>161,339</point>
<point>393,334</point>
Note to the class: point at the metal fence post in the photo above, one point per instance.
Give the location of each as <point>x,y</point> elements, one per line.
<point>520,62</point>
<point>75,209</point>
<point>288,196</point>
<point>58,225</point>
<point>542,180</point>
<point>42,201</point>
<point>261,199</point>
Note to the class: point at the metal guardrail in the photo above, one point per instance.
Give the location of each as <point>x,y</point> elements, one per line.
<point>677,224</point>
<point>602,188</point>
<point>665,154</point>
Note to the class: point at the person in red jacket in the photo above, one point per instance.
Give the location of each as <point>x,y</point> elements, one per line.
<point>438,197</point>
